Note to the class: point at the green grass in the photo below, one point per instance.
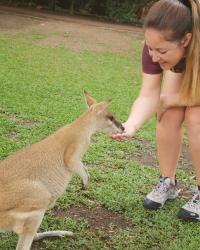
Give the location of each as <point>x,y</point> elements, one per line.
<point>41,89</point>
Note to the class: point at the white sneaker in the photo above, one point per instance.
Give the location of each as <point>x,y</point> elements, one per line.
<point>164,190</point>
<point>191,210</point>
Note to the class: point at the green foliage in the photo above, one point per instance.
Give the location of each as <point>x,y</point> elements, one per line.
<point>120,11</point>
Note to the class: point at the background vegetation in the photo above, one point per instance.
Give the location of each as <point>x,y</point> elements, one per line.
<point>121,11</point>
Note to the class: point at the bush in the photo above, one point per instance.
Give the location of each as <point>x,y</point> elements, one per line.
<point>120,11</point>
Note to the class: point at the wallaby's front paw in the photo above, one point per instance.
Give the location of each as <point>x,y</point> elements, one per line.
<point>85,185</point>
<point>85,179</point>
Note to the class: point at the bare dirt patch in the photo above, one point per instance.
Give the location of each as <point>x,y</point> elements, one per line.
<point>14,118</point>
<point>88,38</point>
<point>146,155</point>
<point>68,32</point>
<point>97,218</point>
<point>14,22</point>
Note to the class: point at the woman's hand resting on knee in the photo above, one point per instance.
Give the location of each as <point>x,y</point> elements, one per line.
<point>166,102</point>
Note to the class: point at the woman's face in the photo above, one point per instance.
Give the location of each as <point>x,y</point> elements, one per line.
<point>164,52</point>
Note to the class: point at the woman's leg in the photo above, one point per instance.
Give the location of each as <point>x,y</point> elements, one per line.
<point>192,121</point>
<point>169,141</point>
<point>191,210</point>
<point>169,129</point>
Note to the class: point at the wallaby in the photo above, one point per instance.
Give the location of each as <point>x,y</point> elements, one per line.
<point>31,180</point>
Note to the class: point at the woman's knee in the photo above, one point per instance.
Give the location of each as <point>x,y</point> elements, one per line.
<point>192,120</point>
<point>173,118</point>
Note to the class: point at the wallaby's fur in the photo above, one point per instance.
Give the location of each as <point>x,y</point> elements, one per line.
<point>32,179</point>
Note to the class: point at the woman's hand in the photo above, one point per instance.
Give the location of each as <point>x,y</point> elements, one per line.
<point>129,131</point>
<point>166,102</point>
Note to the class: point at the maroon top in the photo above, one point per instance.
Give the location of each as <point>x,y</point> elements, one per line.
<point>150,67</point>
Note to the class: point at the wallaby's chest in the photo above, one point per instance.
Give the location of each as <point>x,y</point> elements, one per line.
<point>56,181</point>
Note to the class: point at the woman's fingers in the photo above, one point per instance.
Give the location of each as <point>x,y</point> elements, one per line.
<point>160,113</point>
<point>120,137</point>
<point>127,134</point>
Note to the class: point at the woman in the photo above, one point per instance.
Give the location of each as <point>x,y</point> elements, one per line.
<point>171,58</point>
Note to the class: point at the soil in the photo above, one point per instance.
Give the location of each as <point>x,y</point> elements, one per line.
<point>97,218</point>
<point>146,155</point>
<point>70,32</point>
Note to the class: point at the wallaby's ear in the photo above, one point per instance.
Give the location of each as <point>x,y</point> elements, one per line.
<point>88,99</point>
<point>102,105</point>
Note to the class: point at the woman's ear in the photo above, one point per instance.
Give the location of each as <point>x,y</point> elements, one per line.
<point>186,40</point>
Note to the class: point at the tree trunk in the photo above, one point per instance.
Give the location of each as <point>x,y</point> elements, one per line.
<point>71,9</point>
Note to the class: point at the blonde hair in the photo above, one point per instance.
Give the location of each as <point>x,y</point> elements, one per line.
<point>181,17</point>
<point>190,89</point>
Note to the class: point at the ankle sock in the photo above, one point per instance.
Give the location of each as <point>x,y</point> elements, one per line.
<point>175,180</point>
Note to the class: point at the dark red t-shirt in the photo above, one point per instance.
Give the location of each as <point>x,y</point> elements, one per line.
<point>150,67</point>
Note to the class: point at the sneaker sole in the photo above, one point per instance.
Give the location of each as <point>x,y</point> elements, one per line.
<point>188,216</point>
<point>149,204</point>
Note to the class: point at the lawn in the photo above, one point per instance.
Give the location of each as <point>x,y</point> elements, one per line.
<point>41,90</point>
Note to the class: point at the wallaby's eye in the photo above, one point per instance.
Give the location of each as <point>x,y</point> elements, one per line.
<point>111,118</point>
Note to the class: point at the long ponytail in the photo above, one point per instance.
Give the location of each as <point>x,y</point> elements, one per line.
<point>190,89</point>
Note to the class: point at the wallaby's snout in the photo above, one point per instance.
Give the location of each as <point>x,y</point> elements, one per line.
<point>121,128</point>
<point>113,125</point>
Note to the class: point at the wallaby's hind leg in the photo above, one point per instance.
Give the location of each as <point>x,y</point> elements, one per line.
<point>27,228</point>
<point>60,234</point>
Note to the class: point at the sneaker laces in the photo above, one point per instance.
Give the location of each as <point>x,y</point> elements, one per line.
<point>195,201</point>
<point>161,187</point>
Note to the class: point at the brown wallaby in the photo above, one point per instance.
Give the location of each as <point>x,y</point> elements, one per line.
<point>32,179</point>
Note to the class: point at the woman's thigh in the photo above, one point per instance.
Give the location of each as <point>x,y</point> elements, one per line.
<point>192,121</point>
